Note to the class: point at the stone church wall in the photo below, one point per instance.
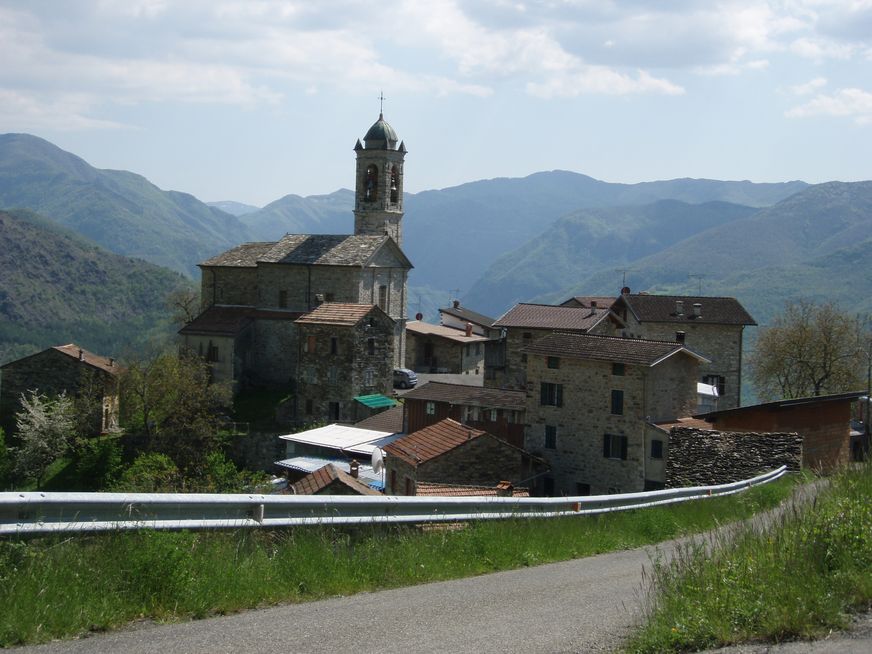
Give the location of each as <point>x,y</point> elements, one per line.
<point>228,285</point>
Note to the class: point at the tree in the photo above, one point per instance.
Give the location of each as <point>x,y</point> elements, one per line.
<point>46,429</point>
<point>809,350</point>
<point>5,463</point>
<point>169,399</point>
<point>184,303</point>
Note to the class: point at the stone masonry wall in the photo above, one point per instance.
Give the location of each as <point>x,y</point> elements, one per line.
<point>720,343</point>
<point>228,285</point>
<point>586,417</point>
<point>699,457</point>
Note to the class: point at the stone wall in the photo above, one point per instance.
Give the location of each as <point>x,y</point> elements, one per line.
<point>482,461</point>
<point>699,457</point>
<point>722,344</point>
<point>258,450</point>
<point>324,377</point>
<point>585,418</point>
<point>51,373</point>
<point>274,353</point>
<point>228,285</point>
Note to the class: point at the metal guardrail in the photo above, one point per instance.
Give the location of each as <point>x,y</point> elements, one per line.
<point>32,513</point>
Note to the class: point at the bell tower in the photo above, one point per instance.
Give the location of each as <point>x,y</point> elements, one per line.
<point>378,194</point>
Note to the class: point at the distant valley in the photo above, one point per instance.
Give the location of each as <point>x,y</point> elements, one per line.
<point>543,237</point>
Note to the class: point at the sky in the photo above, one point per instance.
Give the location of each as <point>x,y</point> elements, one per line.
<point>250,100</point>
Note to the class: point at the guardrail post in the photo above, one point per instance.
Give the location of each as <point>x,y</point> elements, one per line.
<point>257,513</point>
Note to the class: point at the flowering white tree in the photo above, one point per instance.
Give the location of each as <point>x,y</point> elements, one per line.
<point>46,428</point>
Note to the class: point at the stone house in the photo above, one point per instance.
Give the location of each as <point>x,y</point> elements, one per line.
<point>251,295</point>
<point>345,351</point>
<point>70,369</point>
<point>440,349</point>
<point>496,411</point>
<point>713,327</point>
<point>524,324</point>
<point>590,400</point>
<point>450,453</point>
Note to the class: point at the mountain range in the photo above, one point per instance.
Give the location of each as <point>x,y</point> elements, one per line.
<point>543,237</point>
<point>57,287</point>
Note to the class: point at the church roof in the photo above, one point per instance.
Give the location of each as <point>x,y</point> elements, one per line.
<point>242,256</point>
<point>308,249</point>
<point>381,136</point>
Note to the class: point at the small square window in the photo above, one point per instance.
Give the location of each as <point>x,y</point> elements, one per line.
<point>553,362</point>
<point>618,369</point>
<point>656,449</point>
<point>334,345</point>
<point>430,408</point>
<point>582,488</point>
<point>334,410</point>
<point>368,376</point>
<point>550,394</point>
<point>332,374</point>
<point>283,299</point>
<point>550,437</point>
<point>370,346</point>
<point>310,344</point>
<point>492,414</point>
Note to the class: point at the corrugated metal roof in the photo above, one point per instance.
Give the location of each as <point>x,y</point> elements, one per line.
<point>343,438</point>
<point>376,401</point>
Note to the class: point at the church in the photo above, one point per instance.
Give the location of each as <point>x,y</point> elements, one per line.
<point>256,297</point>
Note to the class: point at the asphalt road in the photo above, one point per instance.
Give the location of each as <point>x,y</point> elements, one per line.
<point>585,605</point>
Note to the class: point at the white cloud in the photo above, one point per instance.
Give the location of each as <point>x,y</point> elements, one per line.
<point>809,87</point>
<point>67,112</point>
<point>601,80</point>
<point>845,103</point>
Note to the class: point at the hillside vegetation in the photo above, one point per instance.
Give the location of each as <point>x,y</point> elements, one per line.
<point>120,211</point>
<point>816,245</point>
<point>56,287</point>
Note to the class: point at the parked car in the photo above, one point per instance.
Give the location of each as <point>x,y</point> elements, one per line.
<point>405,378</point>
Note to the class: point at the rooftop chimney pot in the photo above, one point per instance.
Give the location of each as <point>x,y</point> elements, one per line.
<point>697,309</point>
<point>679,307</point>
<point>456,304</point>
<point>354,468</point>
<point>593,304</point>
<point>81,354</point>
<point>468,329</point>
<point>679,337</point>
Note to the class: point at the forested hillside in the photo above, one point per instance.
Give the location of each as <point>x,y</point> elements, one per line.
<point>120,211</point>
<point>56,287</point>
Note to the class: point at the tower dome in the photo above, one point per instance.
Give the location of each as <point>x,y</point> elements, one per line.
<point>381,136</point>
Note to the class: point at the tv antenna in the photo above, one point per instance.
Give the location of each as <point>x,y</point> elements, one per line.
<point>453,293</point>
<point>698,277</point>
<point>623,272</point>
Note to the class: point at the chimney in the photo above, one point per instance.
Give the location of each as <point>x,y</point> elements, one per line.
<point>593,304</point>
<point>354,468</point>
<point>468,329</point>
<point>81,354</point>
<point>625,290</point>
<point>697,310</point>
<point>679,307</point>
<point>456,304</point>
<point>469,435</point>
<point>679,337</point>
<point>111,362</point>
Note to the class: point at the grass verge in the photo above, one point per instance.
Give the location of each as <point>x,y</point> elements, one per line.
<point>54,587</point>
<point>795,581</point>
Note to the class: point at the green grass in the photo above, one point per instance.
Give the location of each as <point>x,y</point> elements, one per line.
<point>798,580</point>
<point>54,587</point>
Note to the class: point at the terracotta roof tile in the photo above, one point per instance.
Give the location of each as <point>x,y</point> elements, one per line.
<point>458,490</point>
<point>546,316</point>
<point>633,351</point>
<point>337,313</point>
<point>662,308</point>
<point>106,364</point>
<point>431,442</point>
<point>242,256</point>
<point>441,331</point>
<point>315,482</point>
<point>494,398</point>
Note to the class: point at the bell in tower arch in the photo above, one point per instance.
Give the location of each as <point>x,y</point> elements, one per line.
<point>395,190</point>
<point>370,184</point>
